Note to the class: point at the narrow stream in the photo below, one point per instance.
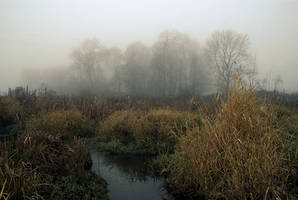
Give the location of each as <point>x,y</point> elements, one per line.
<point>128,178</point>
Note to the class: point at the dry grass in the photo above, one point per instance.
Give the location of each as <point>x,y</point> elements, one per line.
<point>3,195</point>
<point>35,156</point>
<point>66,123</point>
<point>10,111</point>
<point>237,154</point>
<point>156,131</point>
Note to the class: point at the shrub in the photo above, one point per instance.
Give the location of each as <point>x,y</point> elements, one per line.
<point>154,132</point>
<point>159,130</point>
<point>19,180</point>
<point>120,125</point>
<point>234,155</point>
<point>36,161</point>
<point>67,123</point>
<point>48,153</point>
<point>287,121</point>
<point>10,110</point>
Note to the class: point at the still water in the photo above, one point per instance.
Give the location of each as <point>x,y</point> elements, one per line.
<point>128,177</point>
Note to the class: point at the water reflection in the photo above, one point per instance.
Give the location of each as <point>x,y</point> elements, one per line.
<point>128,177</point>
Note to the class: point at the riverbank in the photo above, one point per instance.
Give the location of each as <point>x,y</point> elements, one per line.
<point>241,147</point>
<point>45,158</point>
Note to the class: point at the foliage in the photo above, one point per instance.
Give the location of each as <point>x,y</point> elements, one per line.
<point>237,154</point>
<point>241,148</point>
<point>67,123</point>
<point>154,132</point>
<point>10,111</point>
<point>84,186</point>
<point>33,166</point>
<point>20,180</point>
<point>287,121</point>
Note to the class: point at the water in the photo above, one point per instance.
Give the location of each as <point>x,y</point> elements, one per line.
<point>128,177</point>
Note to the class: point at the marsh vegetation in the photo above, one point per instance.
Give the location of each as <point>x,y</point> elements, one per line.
<point>148,99</point>
<point>238,147</point>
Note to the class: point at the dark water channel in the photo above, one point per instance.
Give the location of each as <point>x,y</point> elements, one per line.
<point>128,177</point>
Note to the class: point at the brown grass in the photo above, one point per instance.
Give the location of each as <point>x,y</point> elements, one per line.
<point>34,156</point>
<point>236,155</point>
<point>156,131</point>
<point>65,123</point>
<point>10,111</point>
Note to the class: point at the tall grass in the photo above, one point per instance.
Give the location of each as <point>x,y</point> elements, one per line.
<point>47,159</point>
<point>66,123</point>
<point>35,162</point>
<point>154,132</point>
<point>237,154</point>
<point>10,112</point>
<point>2,194</point>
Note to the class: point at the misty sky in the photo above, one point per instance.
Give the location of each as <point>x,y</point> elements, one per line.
<point>42,33</point>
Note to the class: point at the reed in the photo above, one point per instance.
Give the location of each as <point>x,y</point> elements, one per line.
<point>237,154</point>
<point>66,123</point>
<point>156,131</point>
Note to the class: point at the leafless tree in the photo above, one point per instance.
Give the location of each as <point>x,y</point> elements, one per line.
<point>87,64</point>
<point>135,72</point>
<point>176,64</point>
<point>228,52</point>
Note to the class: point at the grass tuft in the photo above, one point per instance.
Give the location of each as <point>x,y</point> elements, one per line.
<point>153,132</point>
<point>236,155</point>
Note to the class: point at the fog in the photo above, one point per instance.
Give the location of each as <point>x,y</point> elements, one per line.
<point>40,36</point>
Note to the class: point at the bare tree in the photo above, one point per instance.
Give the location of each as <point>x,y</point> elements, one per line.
<point>87,65</point>
<point>176,65</point>
<point>228,52</point>
<point>135,71</point>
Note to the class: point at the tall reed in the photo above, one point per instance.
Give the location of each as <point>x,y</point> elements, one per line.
<point>237,154</point>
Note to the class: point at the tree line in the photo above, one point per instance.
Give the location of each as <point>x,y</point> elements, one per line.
<point>174,66</point>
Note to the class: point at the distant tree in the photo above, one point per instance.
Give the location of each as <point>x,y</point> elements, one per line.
<point>228,52</point>
<point>111,62</point>
<point>269,83</point>
<point>136,68</point>
<point>176,65</point>
<point>277,82</point>
<point>87,66</point>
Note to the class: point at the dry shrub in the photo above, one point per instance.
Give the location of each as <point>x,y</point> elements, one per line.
<point>159,130</point>
<point>33,158</point>
<point>236,155</point>
<point>288,125</point>
<point>19,180</point>
<point>51,155</point>
<point>67,123</point>
<point>120,125</point>
<point>46,152</point>
<point>156,131</point>
<point>10,110</point>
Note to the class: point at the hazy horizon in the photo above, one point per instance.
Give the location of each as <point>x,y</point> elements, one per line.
<point>42,34</point>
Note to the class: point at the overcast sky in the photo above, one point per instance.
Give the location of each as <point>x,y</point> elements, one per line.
<point>42,33</point>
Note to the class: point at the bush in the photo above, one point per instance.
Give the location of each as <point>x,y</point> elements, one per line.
<point>51,155</point>
<point>159,130</point>
<point>287,121</point>
<point>67,123</point>
<point>236,155</point>
<point>10,110</point>
<point>154,132</point>
<point>19,180</point>
<point>36,162</point>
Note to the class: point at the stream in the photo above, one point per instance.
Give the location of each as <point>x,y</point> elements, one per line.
<point>128,177</point>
